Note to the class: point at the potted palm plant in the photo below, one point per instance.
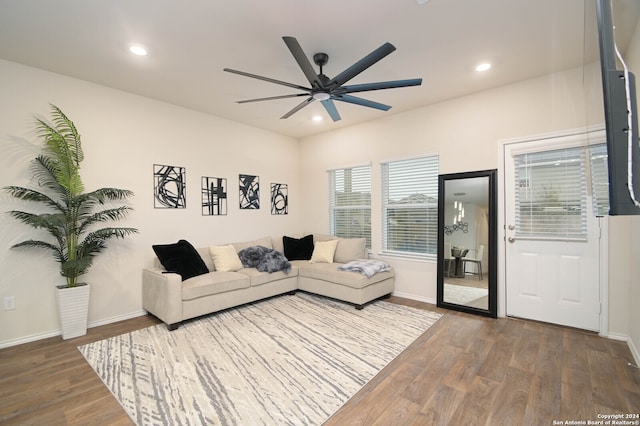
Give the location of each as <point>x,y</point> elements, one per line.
<point>71,216</point>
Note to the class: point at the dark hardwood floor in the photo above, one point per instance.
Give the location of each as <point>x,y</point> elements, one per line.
<point>464,370</point>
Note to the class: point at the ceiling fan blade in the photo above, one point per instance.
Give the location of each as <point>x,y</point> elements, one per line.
<point>299,107</point>
<point>331,109</point>
<point>270,80</point>
<point>361,65</point>
<point>378,86</point>
<point>363,102</point>
<point>271,98</point>
<point>303,61</point>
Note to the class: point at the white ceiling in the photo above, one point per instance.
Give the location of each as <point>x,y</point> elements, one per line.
<point>191,42</point>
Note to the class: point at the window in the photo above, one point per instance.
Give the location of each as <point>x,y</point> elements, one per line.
<point>350,202</point>
<point>551,194</point>
<point>410,206</point>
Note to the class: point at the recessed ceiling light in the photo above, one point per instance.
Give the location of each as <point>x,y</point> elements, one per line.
<point>138,50</point>
<point>317,118</point>
<point>483,67</point>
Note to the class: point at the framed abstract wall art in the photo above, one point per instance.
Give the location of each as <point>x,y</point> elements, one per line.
<point>279,198</point>
<point>214,196</point>
<point>169,187</point>
<point>249,192</point>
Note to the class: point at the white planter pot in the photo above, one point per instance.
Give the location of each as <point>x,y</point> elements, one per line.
<point>73,308</point>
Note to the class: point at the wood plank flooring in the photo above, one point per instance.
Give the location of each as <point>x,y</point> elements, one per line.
<point>465,370</point>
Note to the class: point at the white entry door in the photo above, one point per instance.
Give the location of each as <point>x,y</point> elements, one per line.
<point>552,269</point>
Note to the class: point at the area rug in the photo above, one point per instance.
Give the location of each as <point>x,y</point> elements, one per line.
<point>463,295</point>
<point>289,360</point>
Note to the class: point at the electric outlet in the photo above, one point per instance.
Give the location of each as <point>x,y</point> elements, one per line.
<point>9,303</point>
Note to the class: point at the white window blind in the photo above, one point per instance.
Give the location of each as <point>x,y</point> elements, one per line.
<point>410,205</point>
<point>599,179</point>
<point>551,194</point>
<point>350,202</point>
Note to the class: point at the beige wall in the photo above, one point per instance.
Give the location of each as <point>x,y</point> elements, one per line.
<point>465,132</point>
<point>123,136</point>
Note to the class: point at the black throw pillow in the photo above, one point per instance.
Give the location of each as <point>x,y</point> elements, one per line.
<point>298,248</point>
<point>181,258</point>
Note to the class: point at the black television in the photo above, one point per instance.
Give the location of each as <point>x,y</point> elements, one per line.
<point>621,121</point>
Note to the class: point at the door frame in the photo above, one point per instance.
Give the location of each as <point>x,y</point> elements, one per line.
<point>596,132</point>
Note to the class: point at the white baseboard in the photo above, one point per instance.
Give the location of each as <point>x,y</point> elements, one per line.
<point>117,318</point>
<point>632,347</point>
<point>54,333</point>
<point>634,352</point>
<point>29,339</point>
<point>414,297</point>
<point>617,336</point>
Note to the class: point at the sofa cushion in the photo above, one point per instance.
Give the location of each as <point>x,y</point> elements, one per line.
<point>264,242</point>
<point>205,254</point>
<point>258,278</point>
<point>329,272</point>
<point>324,251</point>
<point>181,258</point>
<point>349,249</point>
<point>323,237</point>
<point>213,283</point>
<point>277,244</point>
<point>225,258</point>
<point>298,248</point>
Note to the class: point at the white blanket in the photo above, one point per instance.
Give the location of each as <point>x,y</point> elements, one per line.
<point>368,267</point>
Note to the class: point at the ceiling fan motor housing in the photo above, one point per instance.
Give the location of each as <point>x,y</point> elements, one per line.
<point>320,59</point>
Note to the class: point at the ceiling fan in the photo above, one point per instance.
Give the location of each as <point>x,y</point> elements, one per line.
<point>327,90</point>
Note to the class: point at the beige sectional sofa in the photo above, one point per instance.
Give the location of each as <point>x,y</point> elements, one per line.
<point>172,300</point>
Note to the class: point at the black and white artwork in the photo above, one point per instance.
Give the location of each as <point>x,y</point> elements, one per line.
<point>279,198</point>
<point>169,187</point>
<point>214,196</point>
<point>249,192</point>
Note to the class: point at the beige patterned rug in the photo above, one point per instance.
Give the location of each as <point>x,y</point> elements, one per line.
<point>289,360</point>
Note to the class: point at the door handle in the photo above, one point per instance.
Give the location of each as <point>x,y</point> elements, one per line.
<point>511,239</point>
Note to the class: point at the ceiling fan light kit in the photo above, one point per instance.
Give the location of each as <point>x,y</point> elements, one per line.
<point>321,96</point>
<point>327,90</point>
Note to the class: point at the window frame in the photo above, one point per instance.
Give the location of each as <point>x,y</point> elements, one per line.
<point>552,210</point>
<point>334,207</point>
<point>430,204</point>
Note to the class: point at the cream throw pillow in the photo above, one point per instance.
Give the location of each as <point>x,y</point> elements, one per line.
<point>225,258</point>
<point>323,251</point>
<point>349,249</point>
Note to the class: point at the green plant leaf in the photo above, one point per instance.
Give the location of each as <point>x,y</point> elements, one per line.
<point>103,216</point>
<point>64,150</point>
